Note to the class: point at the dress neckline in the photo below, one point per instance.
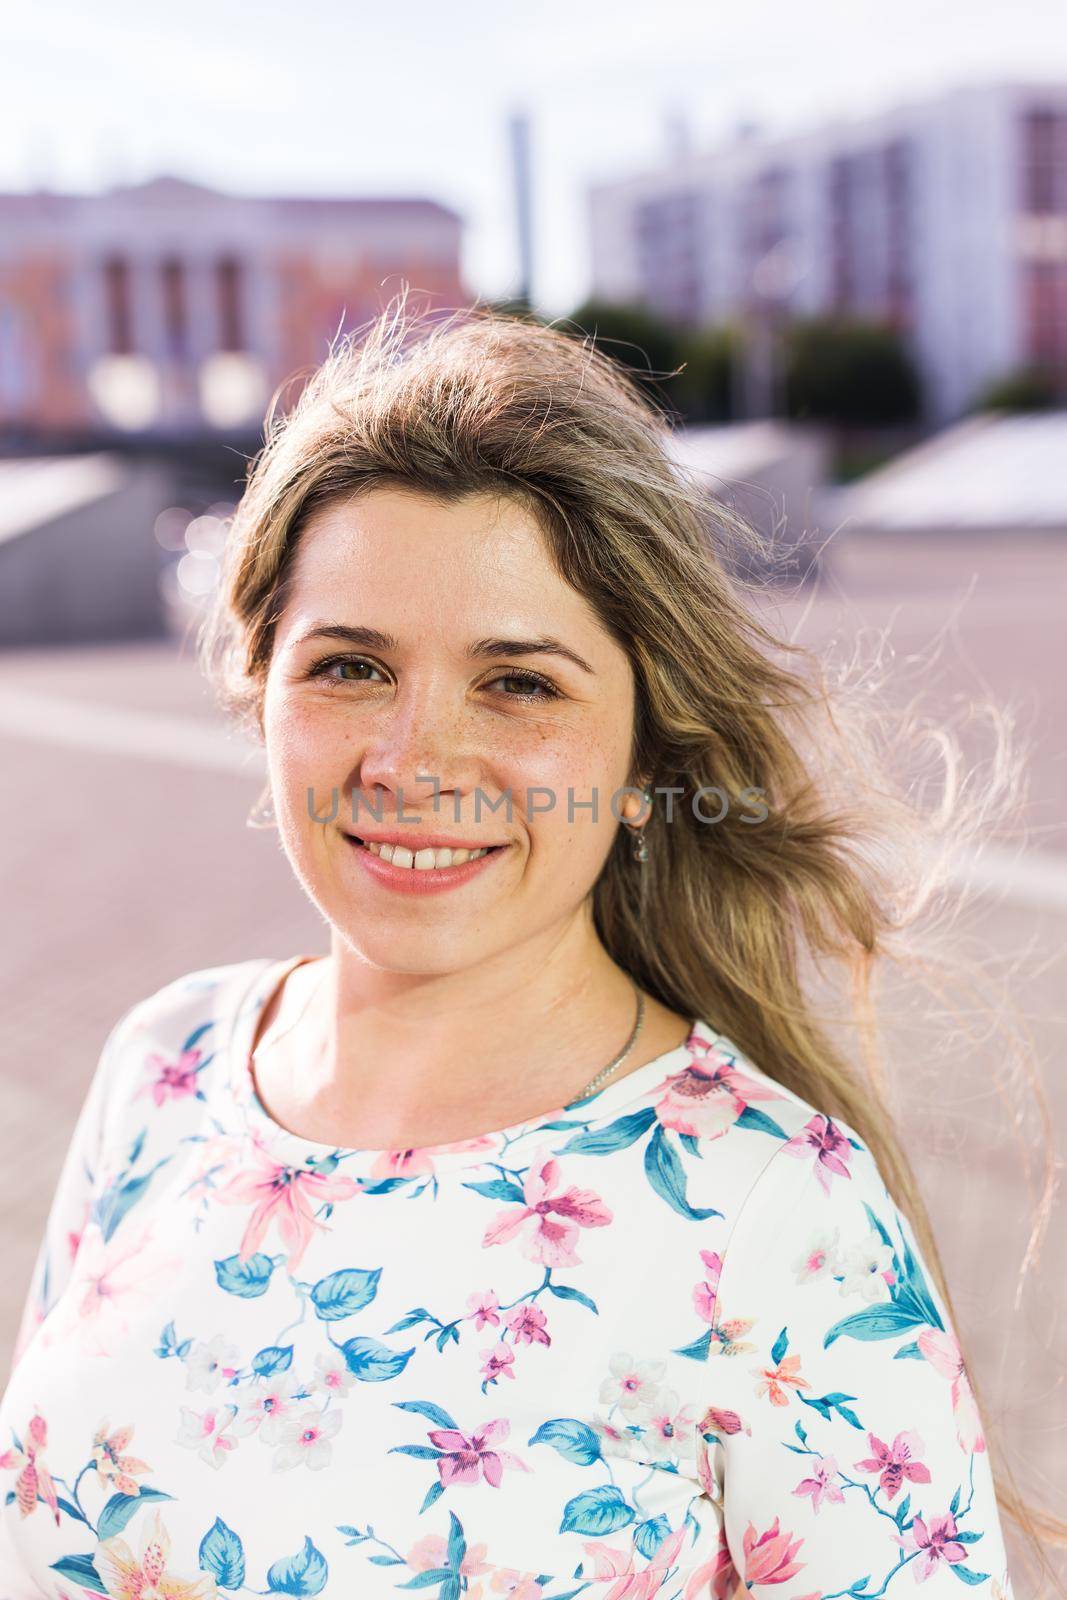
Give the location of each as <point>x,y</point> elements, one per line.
<point>371,1166</point>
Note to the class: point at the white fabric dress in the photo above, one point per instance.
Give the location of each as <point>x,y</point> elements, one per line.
<point>656,1340</point>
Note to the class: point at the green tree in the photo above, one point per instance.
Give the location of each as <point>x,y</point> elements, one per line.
<point>691,370</point>
<point>639,339</point>
<point>1032,388</point>
<point>850,372</point>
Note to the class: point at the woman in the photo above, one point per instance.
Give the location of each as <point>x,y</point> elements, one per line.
<point>536,1241</point>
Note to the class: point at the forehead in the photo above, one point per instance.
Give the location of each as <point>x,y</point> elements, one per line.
<point>409,558</point>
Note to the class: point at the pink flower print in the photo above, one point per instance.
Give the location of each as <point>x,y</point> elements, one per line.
<point>34,1480</point>
<point>266,1405</point>
<point>112,1282</point>
<point>668,1429</point>
<point>528,1325</point>
<point>819,1260</point>
<point>113,1466</point>
<point>728,1337</point>
<point>705,1294</point>
<point>402,1164</point>
<point>468,1459</point>
<point>176,1080</point>
<point>305,1440</point>
<point>130,1577</point>
<point>634,1386</point>
<point>515,1585</point>
<point>715,1420</point>
<point>777,1381</point>
<point>614,1441</point>
<point>897,1463</point>
<point>823,1139</point>
<point>706,1098</point>
<point>549,1220</point>
<point>821,1484</point>
<point>332,1374</point>
<point>769,1556</point>
<point>717,1577</point>
<point>942,1351</point>
<point>282,1195</point>
<point>937,1542</point>
<point>431,1551</point>
<point>483,1307</point>
<point>619,1565</point>
<point>208,1433</point>
<point>498,1361</point>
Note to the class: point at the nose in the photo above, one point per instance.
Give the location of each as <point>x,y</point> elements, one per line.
<point>419,748</point>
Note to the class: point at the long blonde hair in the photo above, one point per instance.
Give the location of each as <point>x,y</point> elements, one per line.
<point>754,928</point>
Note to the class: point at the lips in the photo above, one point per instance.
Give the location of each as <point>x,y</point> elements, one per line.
<point>428,877</point>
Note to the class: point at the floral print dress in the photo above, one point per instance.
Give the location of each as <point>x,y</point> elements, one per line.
<point>665,1339</point>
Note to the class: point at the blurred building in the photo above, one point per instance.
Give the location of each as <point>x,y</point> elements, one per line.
<point>946,218</point>
<point>170,308</point>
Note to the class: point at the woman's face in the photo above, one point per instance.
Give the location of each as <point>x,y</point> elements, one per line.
<point>469,670</point>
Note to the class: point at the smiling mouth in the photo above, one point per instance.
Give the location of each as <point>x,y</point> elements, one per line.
<point>424,860</point>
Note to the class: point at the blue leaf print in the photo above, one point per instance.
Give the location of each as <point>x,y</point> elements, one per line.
<point>909,1351</point>
<point>880,1322</point>
<point>600,1510</point>
<point>422,1580</point>
<point>617,1135</point>
<point>576,1441</point>
<point>273,1358</point>
<point>373,1362</point>
<point>781,1345</point>
<point>457,1544</point>
<point>698,1350</point>
<point>169,1345</point>
<point>432,1495</point>
<point>121,1507</point>
<point>760,1122</point>
<point>345,1292</point>
<point>564,1292</point>
<point>648,1536</point>
<point>249,1279</point>
<point>113,1204</point>
<point>966,1574</point>
<point>222,1554</point>
<point>305,1573</point>
<point>81,1570</point>
<point>667,1176</point>
<point>498,1189</point>
<point>426,1408</point>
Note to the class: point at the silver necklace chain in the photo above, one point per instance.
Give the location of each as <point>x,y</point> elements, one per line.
<point>274,1034</point>
<point>623,1053</point>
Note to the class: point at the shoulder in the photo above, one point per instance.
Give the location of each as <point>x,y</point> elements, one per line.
<point>164,1042</point>
<point>794,1168</point>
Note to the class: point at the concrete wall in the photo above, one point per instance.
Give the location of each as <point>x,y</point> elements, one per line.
<point>91,573</point>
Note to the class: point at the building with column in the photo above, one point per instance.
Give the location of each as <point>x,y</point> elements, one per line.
<point>169,308</point>
<point>946,217</point>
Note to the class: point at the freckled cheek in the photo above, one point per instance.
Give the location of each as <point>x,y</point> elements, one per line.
<point>575,771</point>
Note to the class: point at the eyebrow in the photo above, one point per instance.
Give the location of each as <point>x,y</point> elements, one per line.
<point>481,649</point>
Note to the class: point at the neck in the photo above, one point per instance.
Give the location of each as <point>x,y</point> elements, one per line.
<point>400,1060</point>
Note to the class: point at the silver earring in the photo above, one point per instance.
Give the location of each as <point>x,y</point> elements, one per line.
<point>262,814</point>
<point>640,851</point>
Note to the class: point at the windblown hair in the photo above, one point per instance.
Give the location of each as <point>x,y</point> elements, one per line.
<point>763,928</point>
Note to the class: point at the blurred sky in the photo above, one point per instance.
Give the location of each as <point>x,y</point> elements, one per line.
<point>321,97</point>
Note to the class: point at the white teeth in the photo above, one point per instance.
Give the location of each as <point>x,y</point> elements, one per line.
<point>423,860</point>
